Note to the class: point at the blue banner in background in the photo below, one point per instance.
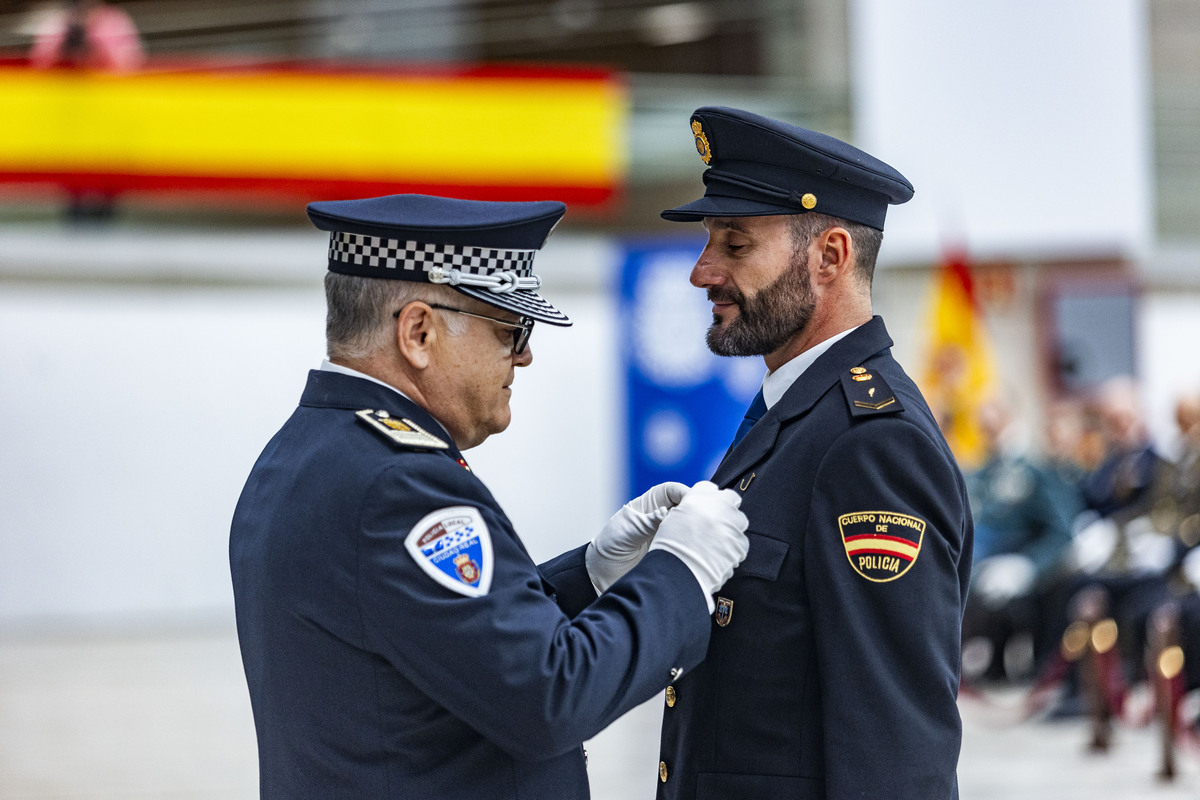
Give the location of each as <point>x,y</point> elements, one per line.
<point>684,404</point>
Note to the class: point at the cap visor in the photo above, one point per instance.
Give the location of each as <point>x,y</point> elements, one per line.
<point>718,206</point>
<point>527,304</point>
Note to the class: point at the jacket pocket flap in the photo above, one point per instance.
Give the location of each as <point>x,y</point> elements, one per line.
<point>764,559</point>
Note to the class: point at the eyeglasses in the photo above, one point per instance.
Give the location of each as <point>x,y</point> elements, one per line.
<point>520,330</point>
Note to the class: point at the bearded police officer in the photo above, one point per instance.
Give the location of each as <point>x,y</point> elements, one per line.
<point>397,639</point>
<point>833,667</point>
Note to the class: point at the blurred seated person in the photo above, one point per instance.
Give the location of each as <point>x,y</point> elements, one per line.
<point>1173,656</point>
<point>1122,559</point>
<point>87,34</point>
<point>1071,448</point>
<point>1023,516</point>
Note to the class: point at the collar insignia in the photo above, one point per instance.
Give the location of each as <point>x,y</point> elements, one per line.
<point>401,431</point>
<point>868,393</point>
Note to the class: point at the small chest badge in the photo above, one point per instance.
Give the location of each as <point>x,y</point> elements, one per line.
<point>881,545</point>
<point>724,612</point>
<point>452,545</point>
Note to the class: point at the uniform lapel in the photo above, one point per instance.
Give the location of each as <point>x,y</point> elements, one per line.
<point>818,379</point>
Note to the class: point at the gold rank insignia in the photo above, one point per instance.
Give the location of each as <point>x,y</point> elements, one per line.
<point>401,431</point>
<point>702,146</point>
<point>881,545</point>
<point>867,393</point>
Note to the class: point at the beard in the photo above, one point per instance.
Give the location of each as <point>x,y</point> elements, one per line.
<point>768,319</point>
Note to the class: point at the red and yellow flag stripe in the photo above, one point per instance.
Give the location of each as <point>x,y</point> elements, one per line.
<point>878,544</point>
<point>516,134</point>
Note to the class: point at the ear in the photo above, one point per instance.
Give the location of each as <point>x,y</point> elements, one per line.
<point>837,254</point>
<point>416,334</point>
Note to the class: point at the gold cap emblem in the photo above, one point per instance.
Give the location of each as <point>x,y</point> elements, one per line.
<point>702,144</point>
<point>809,200</point>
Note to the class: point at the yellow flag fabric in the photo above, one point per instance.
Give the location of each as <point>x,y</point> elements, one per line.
<point>297,132</point>
<point>959,370</point>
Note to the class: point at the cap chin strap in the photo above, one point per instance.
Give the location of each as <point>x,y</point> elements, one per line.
<point>790,197</point>
<point>501,282</point>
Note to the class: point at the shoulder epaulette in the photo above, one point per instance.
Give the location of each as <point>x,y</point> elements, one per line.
<point>868,393</point>
<point>400,431</point>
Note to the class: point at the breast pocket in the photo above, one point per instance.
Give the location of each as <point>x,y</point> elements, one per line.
<point>765,558</point>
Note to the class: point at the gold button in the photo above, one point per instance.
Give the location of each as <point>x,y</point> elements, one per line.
<point>662,771</point>
<point>809,200</point>
<point>670,697</point>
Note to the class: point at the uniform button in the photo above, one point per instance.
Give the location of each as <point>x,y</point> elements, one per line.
<point>662,771</point>
<point>670,697</point>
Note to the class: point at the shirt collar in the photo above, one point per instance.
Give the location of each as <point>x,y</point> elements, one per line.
<point>329,366</point>
<point>776,384</point>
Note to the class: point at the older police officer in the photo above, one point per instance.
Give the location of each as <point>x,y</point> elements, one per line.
<point>833,666</point>
<point>397,639</point>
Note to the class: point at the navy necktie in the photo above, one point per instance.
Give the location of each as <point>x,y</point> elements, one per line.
<point>757,408</point>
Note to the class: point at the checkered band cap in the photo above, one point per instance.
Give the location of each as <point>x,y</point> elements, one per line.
<point>500,277</point>
<point>481,248</point>
<point>375,251</point>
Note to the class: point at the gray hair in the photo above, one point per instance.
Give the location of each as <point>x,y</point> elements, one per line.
<point>359,319</point>
<point>865,238</point>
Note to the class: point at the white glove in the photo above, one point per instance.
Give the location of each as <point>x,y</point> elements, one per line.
<point>626,537</point>
<point>1001,578</point>
<point>707,532</point>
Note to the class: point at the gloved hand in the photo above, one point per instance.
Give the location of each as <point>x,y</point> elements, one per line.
<point>707,532</point>
<point>626,537</point>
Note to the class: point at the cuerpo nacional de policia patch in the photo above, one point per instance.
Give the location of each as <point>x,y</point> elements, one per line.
<point>452,545</point>
<point>881,545</point>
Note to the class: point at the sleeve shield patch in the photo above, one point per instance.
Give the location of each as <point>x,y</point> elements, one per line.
<point>452,545</point>
<point>881,545</point>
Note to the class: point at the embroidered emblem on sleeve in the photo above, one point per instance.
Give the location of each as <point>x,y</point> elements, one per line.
<point>881,545</point>
<point>453,546</point>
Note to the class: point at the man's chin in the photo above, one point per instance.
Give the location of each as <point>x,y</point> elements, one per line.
<point>720,342</point>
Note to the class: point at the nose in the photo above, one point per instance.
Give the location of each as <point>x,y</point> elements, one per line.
<point>525,358</point>
<point>706,273</point>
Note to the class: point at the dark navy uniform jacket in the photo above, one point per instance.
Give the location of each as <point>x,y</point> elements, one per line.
<point>370,679</point>
<point>836,671</point>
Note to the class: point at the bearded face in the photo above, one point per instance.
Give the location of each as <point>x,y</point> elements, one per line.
<point>768,318</point>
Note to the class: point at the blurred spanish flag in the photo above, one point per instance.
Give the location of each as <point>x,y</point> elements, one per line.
<point>959,371</point>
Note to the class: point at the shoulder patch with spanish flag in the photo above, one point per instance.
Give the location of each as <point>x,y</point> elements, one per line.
<point>881,545</point>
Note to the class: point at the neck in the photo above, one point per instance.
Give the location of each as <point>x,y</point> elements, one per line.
<point>822,326</point>
<point>382,369</point>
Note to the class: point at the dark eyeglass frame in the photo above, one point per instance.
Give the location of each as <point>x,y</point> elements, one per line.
<point>521,331</point>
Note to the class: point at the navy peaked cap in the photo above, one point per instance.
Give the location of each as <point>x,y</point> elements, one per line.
<point>759,166</point>
<point>484,249</point>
